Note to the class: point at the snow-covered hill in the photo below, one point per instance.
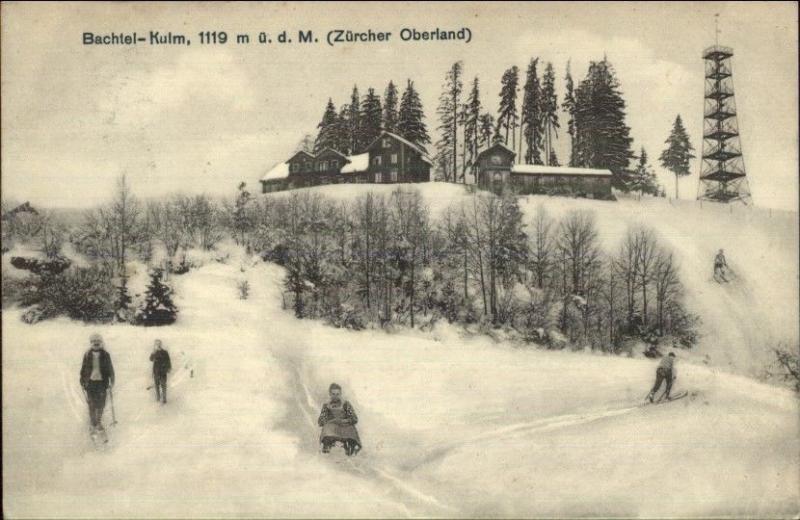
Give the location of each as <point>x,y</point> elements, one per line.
<point>452,426</point>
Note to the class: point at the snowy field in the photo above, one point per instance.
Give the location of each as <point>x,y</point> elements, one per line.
<point>452,426</point>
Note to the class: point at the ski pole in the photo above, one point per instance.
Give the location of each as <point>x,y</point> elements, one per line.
<point>113,414</point>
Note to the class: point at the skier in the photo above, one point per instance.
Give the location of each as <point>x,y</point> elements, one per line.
<point>720,265</point>
<point>665,372</point>
<point>97,376</point>
<point>338,420</point>
<point>161,367</point>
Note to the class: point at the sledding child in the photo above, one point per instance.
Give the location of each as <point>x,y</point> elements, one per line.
<point>665,372</point>
<point>338,421</point>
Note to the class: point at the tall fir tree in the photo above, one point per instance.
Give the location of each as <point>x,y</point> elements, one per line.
<point>569,107</point>
<point>678,153</point>
<point>158,308</point>
<point>532,115</point>
<point>343,130</point>
<point>507,114</point>
<point>472,116</point>
<point>390,108</point>
<point>410,120</point>
<point>327,136</point>
<point>449,104</point>
<point>602,137</point>
<point>371,117</point>
<point>355,123</point>
<point>549,110</point>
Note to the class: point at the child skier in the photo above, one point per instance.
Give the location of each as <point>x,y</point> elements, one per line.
<point>338,420</point>
<point>665,372</point>
<point>161,367</point>
<point>97,376</point>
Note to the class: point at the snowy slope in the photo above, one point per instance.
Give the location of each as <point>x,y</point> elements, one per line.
<point>453,427</point>
<point>741,321</point>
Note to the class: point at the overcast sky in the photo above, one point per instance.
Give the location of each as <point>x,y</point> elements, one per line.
<point>202,118</point>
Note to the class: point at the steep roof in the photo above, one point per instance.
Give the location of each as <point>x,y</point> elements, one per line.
<point>541,169</point>
<point>277,172</point>
<point>358,163</point>
<point>500,146</point>
<point>301,152</point>
<point>331,150</point>
<point>403,140</point>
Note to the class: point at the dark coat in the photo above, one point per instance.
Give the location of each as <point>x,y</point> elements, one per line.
<point>106,368</point>
<point>161,362</point>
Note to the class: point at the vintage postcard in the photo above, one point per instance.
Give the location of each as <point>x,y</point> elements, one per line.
<point>400,259</point>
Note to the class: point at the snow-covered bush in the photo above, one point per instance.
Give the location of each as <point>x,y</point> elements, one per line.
<point>158,308</point>
<point>84,294</point>
<point>786,367</point>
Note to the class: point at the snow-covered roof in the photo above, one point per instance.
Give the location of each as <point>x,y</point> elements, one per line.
<point>498,145</point>
<point>541,169</point>
<point>358,163</point>
<point>279,171</point>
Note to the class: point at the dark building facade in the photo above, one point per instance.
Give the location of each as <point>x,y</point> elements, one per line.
<point>388,159</point>
<point>496,171</point>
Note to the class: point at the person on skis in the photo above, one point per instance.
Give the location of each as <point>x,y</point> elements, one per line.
<point>161,367</point>
<point>338,421</point>
<point>97,377</point>
<point>665,372</point>
<point>720,266</point>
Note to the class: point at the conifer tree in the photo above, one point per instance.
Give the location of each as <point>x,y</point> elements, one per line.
<point>643,179</point>
<point>676,156</point>
<point>371,117</point>
<point>507,118</point>
<point>569,107</point>
<point>343,130</point>
<point>158,308</point>
<point>355,122</point>
<point>602,137</point>
<point>449,104</point>
<point>327,136</point>
<point>532,115</point>
<point>472,115</point>
<point>549,110</point>
<point>410,124</point>
<point>486,130</point>
<point>390,108</point>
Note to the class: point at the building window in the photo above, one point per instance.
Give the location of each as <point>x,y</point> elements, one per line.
<point>387,143</point>
<point>377,160</point>
<point>378,178</point>
<point>394,158</point>
<point>497,177</point>
<point>334,165</point>
<point>393,174</point>
<point>294,167</point>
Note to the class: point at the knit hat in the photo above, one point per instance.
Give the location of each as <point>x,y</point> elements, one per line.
<point>95,337</point>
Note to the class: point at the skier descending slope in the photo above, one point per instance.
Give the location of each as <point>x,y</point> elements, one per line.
<point>720,267</point>
<point>97,376</point>
<point>338,420</point>
<point>665,372</point>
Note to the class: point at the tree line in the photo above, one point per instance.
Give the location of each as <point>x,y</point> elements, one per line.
<point>485,264</point>
<point>356,124</point>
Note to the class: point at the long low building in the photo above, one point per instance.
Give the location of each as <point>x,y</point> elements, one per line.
<point>496,170</point>
<point>388,159</point>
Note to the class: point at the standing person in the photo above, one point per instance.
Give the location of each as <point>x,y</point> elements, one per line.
<point>97,376</point>
<point>665,372</point>
<point>338,421</point>
<point>161,367</point>
<point>720,265</point>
